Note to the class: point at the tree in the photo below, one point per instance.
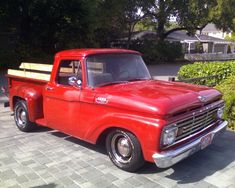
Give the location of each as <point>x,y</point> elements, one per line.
<point>133,14</point>
<point>232,38</point>
<point>117,19</point>
<point>109,22</point>
<point>191,15</point>
<point>224,15</point>
<point>49,25</point>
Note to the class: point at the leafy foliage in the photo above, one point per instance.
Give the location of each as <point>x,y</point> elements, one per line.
<point>190,15</point>
<point>204,69</point>
<point>227,87</point>
<point>47,26</point>
<point>223,15</point>
<point>154,51</point>
<point>232,38</point>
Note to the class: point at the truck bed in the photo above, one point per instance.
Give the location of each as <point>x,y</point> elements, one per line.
<point>32,71</point>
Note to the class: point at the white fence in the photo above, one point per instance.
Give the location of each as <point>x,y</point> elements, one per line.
<point>209,57</point>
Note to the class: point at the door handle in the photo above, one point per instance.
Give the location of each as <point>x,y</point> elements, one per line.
<point>49,88</point>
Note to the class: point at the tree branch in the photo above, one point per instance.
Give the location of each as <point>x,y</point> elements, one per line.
<point>173,30</point>
<point>183,28</point>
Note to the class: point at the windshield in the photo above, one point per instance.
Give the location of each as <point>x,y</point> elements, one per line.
<point>104,69</point>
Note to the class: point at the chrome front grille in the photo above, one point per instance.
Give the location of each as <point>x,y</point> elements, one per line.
<point>197,122</point>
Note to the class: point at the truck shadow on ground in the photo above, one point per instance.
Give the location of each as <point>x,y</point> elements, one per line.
<point>216,157</point>
<point>98,148</point>
<point>50,185</point>
<point>205,163</point>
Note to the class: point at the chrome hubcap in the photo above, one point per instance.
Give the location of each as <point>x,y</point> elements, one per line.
<point>21,117</point>
<point>121,148</point>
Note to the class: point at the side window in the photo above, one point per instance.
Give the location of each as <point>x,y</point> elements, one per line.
<point>67,69</point>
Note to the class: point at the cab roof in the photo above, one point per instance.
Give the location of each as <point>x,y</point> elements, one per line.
<point>92,51</point>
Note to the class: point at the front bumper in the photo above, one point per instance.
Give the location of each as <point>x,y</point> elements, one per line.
<point>166,159</point>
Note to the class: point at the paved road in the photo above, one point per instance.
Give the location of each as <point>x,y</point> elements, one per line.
<point>165,70</point>
<point>48,158</point>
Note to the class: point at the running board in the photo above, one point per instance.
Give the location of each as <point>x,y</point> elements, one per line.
<point>41,122</point>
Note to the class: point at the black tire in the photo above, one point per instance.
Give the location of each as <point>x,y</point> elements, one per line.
<point>21,117</point>
<point>124,150</point>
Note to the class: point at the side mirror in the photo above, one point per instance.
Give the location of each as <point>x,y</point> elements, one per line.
<point>74,81</point>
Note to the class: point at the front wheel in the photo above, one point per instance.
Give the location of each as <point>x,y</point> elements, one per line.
<point>124,150</point>
<point>21,117</point>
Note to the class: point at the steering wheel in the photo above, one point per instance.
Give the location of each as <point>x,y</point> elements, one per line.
<point>124,74</point>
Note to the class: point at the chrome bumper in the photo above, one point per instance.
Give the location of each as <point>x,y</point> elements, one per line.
<point>170,157</point>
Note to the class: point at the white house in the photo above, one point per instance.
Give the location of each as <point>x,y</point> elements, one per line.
<point>198,47</point>
<point>211,30</point>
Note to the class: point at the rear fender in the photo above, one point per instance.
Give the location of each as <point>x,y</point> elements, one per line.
<point>34,100</point>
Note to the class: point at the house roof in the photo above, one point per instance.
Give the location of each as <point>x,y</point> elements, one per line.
<point>183,36</point>
<point>210,28</point>
<point>178,36</point>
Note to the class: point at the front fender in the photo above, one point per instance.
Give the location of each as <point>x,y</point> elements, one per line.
<point>147,130</point>
<point>34,100</point>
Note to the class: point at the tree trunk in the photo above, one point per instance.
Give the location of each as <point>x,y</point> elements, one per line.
<point>130,32</point>
<point>161,21</point>
<point>129,37</point>
<point>24,22</point>
<point>160,30</point>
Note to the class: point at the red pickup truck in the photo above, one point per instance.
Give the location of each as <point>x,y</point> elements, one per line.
<point>107,95</point>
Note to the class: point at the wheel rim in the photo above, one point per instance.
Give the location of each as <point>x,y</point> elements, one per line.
<point>122,148</point>
<point>21,117</point>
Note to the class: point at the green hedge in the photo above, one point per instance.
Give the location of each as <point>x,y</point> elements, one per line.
<point>227,87</point>
<point>155,52</point>
<point>205,69</point>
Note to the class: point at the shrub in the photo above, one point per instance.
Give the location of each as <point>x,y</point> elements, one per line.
<point>222,70</point>
<point>13,58</point>
<point>227,87</point>
<point>154,52</point>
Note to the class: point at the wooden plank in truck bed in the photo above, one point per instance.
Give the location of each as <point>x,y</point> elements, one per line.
<point>36,66</point>
<point>42,67</point>
<point>27,74</point>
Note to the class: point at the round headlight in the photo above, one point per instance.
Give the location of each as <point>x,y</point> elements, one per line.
<point>220,113</point>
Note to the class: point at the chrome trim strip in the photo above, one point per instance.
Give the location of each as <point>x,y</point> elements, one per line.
<point>190,136</point>
<point>199,111</point>
<point>168,158</point>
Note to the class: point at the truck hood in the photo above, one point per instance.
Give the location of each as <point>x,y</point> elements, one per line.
<point>156,97</point>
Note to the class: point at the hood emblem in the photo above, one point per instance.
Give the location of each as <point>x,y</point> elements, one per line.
<point>202,98</point>
<point>101,100</point>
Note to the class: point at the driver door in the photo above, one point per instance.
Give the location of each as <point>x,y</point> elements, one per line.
<point>62,101</point>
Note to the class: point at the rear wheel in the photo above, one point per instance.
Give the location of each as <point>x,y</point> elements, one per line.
<point>124,150</point>
<point>21,117</point>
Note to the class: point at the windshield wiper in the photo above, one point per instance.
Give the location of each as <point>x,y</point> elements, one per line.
<point>112,83</point>
<point>121,82</point>
<point>137,79</point>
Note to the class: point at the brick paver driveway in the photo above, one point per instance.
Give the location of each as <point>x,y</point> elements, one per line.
<point>48,158</point>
